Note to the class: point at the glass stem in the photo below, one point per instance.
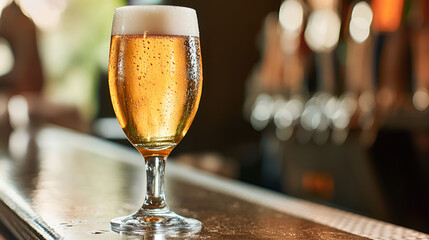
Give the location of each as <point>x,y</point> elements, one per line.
<point>155,198</point>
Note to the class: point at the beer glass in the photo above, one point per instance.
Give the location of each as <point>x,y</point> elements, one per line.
<point>155,81</point>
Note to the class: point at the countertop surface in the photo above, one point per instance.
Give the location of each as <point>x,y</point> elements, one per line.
<point>59,184</point>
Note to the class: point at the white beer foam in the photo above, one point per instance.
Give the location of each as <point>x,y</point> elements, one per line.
<point>155,19</point>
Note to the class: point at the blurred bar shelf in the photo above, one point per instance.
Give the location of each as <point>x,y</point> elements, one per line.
<point>59,184</point>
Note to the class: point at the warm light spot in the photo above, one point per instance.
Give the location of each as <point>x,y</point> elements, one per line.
<point>421,99</point>
<point>366,101</point>
<point>330,106</point>
<point>360,23</point>
<point>340,119</point>
<point>18,112</point>
<point>18,143</point>
<point>6,57</point>
<point>342,111</point>
<point>291,16</point>
<point>387,14</point>
<point>261,112</point>
<point>45,14</point>
<point>320,184</point>
<point>311,118</point>
<point>295,107</point>
<point>283,118</point>
<point>349,103</point>
<point>323,30</point>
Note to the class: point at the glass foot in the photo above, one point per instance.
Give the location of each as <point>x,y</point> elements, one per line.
<point>154,222</point>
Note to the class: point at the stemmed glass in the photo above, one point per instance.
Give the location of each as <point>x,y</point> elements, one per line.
<point>155,81</point>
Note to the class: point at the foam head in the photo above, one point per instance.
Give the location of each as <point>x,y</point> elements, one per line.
<point>155,19</point>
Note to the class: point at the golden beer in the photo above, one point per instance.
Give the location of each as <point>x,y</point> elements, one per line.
<point>155,85</point>
<point>155,81</point>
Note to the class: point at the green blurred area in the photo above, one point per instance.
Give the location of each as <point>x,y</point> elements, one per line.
<point>76,52</point>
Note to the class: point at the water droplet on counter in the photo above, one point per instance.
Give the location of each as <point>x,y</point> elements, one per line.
<point>99,231</point>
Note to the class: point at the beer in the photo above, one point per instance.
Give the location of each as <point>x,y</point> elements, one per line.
<point>155,80</point>
<point>155,85</point>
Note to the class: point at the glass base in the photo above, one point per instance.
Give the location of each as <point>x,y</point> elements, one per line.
<point>148,222</point>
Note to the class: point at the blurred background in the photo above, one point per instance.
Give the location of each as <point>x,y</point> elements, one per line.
<point>325,100</point>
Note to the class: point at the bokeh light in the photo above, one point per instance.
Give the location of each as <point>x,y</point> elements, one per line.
<point>360,23</point>
<point>323,29</point>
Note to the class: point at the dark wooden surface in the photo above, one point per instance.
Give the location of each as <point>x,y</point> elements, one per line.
<point>58,184</point>
<point>4,235</point>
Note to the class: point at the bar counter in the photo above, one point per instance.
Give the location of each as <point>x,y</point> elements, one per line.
<point>60,184</point>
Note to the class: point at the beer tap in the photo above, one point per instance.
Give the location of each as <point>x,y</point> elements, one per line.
<point>322,36</point>
<point>419,23</point>
<point>359,85</point>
